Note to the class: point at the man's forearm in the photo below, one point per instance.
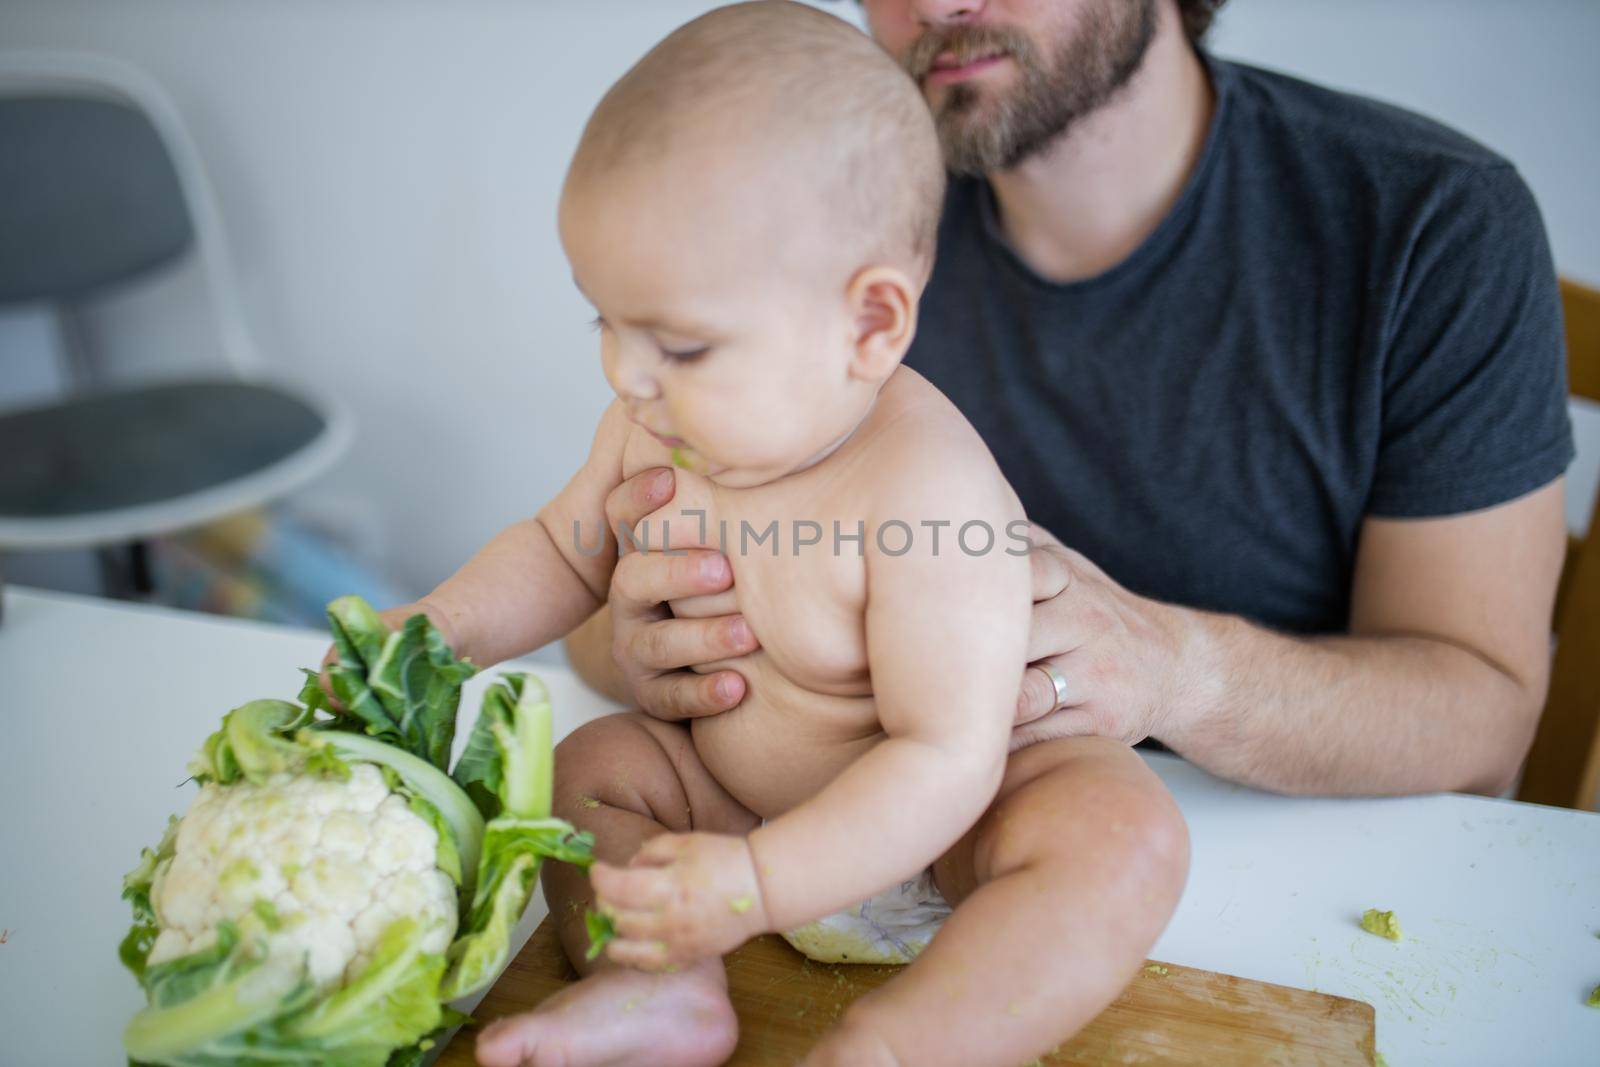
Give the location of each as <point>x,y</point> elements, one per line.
<point>589,651</point>
<point>1375,715</point>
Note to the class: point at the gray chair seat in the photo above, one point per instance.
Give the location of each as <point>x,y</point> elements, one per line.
<point>100,190</point>
<point>117,450</point>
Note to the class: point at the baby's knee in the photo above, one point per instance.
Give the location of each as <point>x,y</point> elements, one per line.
<point>1155,834</point>
<point>1089,803</point>
<point>615,760</point>
<point>588,748</point>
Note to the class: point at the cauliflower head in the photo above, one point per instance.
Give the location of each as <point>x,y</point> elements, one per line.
<point>328,884</point>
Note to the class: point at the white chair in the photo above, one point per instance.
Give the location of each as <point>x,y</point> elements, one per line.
<point>101,186</point>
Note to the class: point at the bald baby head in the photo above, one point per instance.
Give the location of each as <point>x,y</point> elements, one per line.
<point>788,100</point>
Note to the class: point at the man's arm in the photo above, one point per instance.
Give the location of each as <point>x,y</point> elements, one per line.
<point>1441,677</point>
<point>1438,686</point>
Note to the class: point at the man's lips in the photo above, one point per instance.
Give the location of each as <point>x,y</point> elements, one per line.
<point>946,70</point>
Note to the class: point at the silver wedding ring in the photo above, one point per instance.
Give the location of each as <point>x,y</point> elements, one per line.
<point>1057,679</point>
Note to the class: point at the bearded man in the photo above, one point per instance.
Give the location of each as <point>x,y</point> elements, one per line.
<point>1277,373</point>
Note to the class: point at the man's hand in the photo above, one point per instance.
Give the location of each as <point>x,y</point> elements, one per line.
<point>683,897</point>
<point>1437,685</point>
<point>651,648</point>
<point>1122,655</point>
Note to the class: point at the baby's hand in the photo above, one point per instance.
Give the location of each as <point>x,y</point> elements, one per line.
<point>684,897</point>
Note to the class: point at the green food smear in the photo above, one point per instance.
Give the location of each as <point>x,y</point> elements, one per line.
<point>1156,969</point>
<point>600,930</point>
<point>740,905</point>
<point>1594,997</point>
<point>1381,923</point>
<point>679,460</point>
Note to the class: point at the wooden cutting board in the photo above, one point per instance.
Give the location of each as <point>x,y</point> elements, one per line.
<point>1168,1015</point>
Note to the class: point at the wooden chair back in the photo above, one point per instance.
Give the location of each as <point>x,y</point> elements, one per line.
<point>1563,766</point>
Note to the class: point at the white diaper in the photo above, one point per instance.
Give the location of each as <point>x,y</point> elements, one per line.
<point>891,927</point>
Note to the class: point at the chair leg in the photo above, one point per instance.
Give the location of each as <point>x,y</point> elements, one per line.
<point>139,569</point>
<point>125,571</point>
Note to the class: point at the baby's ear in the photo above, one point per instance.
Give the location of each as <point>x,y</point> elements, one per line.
<point>883,310</point>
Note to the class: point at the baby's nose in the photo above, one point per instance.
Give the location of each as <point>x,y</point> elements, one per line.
<point>643,388</point>
<point>633,383</point>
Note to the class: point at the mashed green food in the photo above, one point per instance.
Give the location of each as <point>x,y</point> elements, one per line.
<point>1382,923</point>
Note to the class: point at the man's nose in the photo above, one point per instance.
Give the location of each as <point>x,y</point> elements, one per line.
<point>932,13</point>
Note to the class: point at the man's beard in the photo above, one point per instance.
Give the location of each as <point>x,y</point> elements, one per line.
<point>1055,91</point>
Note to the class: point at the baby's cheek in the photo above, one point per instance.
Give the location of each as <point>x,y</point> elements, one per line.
<point>760,429</point>
<point>755,420</point>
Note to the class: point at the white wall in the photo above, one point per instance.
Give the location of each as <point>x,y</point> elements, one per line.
<point>388,172</point>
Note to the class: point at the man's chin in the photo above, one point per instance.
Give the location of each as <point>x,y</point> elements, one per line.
<point>959,103</point>
<point>966,118</point>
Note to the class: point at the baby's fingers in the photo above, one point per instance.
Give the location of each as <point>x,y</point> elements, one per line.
<point>659,851</point>
<point>635,925</point>
<point>645,955</point>
<point>630,888</point>
<point>325,682</point>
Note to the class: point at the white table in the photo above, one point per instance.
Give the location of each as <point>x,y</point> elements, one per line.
<point>101,705</point>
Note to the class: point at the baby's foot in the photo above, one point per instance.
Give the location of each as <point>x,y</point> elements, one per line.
<point>618,1018</point>
<point>851,1045</point>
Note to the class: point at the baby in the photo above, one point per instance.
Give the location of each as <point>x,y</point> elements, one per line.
<point>752,212</point>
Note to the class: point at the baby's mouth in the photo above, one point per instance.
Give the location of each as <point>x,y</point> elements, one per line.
<point>670,442</point>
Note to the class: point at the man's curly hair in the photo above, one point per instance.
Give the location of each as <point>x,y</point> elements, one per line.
<point>1197,16</point>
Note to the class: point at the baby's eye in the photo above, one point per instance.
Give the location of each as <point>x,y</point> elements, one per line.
<point>684,355</point>
<point>597,323</point>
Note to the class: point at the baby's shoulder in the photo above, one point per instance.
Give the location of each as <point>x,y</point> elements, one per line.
<point>909,407</point>
<point>914,422</point>
<point>919,443</point>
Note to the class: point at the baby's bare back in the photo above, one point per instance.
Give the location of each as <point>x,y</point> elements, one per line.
<point>797,546</point>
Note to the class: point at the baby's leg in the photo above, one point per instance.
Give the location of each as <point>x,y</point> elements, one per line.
<point>625,778</point>
<point>1060,890</point>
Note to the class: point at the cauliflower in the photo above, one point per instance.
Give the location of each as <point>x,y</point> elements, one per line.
<point>330,886</point>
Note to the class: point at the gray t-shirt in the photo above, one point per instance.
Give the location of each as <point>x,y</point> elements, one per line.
<point>1350,311</point>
